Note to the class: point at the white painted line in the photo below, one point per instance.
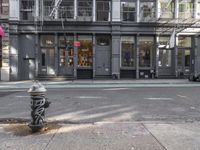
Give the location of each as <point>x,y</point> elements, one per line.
<point>21,96</point>
<point>182,96</point>
<point>115,89</point>
<point>159,98</point>
<point>90,97</point>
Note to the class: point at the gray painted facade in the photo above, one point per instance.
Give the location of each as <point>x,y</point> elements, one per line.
<point>28,59</point>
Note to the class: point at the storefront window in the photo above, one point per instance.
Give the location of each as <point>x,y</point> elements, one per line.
<point>128,11</point>
<point>163,41</point>
<point>85,51</point>
<point>66,51</point>
<point>147,11</point>
<point>26,9</point>
<point>184,41</point>
<point>146,45</point>
<point>127,52</point>
<point>66,9</point>
<point>103,10</point>
<point>186,8</point>
<point>85,8</point>
<point>47,40</point>
<point>166,8</point>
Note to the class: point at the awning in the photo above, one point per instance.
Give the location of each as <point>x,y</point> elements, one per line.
<point>2,33</point>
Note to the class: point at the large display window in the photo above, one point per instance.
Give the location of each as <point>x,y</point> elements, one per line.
<point>146,45</point>
<point>85,51</point>
<point>127,51</point>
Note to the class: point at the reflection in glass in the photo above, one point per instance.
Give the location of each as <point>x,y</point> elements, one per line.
<point>164,58</point>
<point>186,8</point>
<point>127,52</point>
<point>166,8</point>
<point>147,11</point>
<point>184,41</point>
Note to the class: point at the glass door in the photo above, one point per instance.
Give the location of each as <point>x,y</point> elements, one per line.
<point>165,66</point>
<point>66,61</point>
<point>184,61</point>
<point>47,61</point>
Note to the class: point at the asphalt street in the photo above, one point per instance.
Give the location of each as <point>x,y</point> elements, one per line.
<point>149,118</point>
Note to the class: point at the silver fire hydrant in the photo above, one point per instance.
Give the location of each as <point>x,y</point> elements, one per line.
<point>38,104</point>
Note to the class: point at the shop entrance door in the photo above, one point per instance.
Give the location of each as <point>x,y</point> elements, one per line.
<point>184,61</point>
<point>166,62</point>
<point>47,61</point>
<point>103,60</point>
<point>66,61</point>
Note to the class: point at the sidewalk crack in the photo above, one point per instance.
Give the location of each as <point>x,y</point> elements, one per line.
<point>51,139</point>
<point>154,137</point>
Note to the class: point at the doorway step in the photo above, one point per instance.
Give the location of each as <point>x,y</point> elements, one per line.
<point>167,77</point>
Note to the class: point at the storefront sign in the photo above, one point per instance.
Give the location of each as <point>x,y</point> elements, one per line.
<point>77,43</point>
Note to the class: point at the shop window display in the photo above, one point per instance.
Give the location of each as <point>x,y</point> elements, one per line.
<point>85,52</point>
<point>127,52</point>
<point>146,45</point>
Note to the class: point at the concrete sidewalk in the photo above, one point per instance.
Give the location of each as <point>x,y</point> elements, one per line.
<point>102,136</point>
<point>102,83</point>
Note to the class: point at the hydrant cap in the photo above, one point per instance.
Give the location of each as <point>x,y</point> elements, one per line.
<point>37,87</point>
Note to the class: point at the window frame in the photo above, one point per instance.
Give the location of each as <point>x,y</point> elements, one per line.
<point>104,11</point>
<point>28,12</point>
<point>128,11</point>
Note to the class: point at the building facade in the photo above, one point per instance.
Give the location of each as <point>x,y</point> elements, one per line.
<point>100,38</point>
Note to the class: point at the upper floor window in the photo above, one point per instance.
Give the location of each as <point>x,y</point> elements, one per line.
<point>186,8</point>
<point>128,11</point>
<point>103,10</point>
<point>26,9</point>
<point>85,8</point>
<point>66,9</point>
<point>166,8</point>
<point>147,10</point>
<point>4,7</point>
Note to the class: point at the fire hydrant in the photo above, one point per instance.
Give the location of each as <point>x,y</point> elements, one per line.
<point>38,104</point>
